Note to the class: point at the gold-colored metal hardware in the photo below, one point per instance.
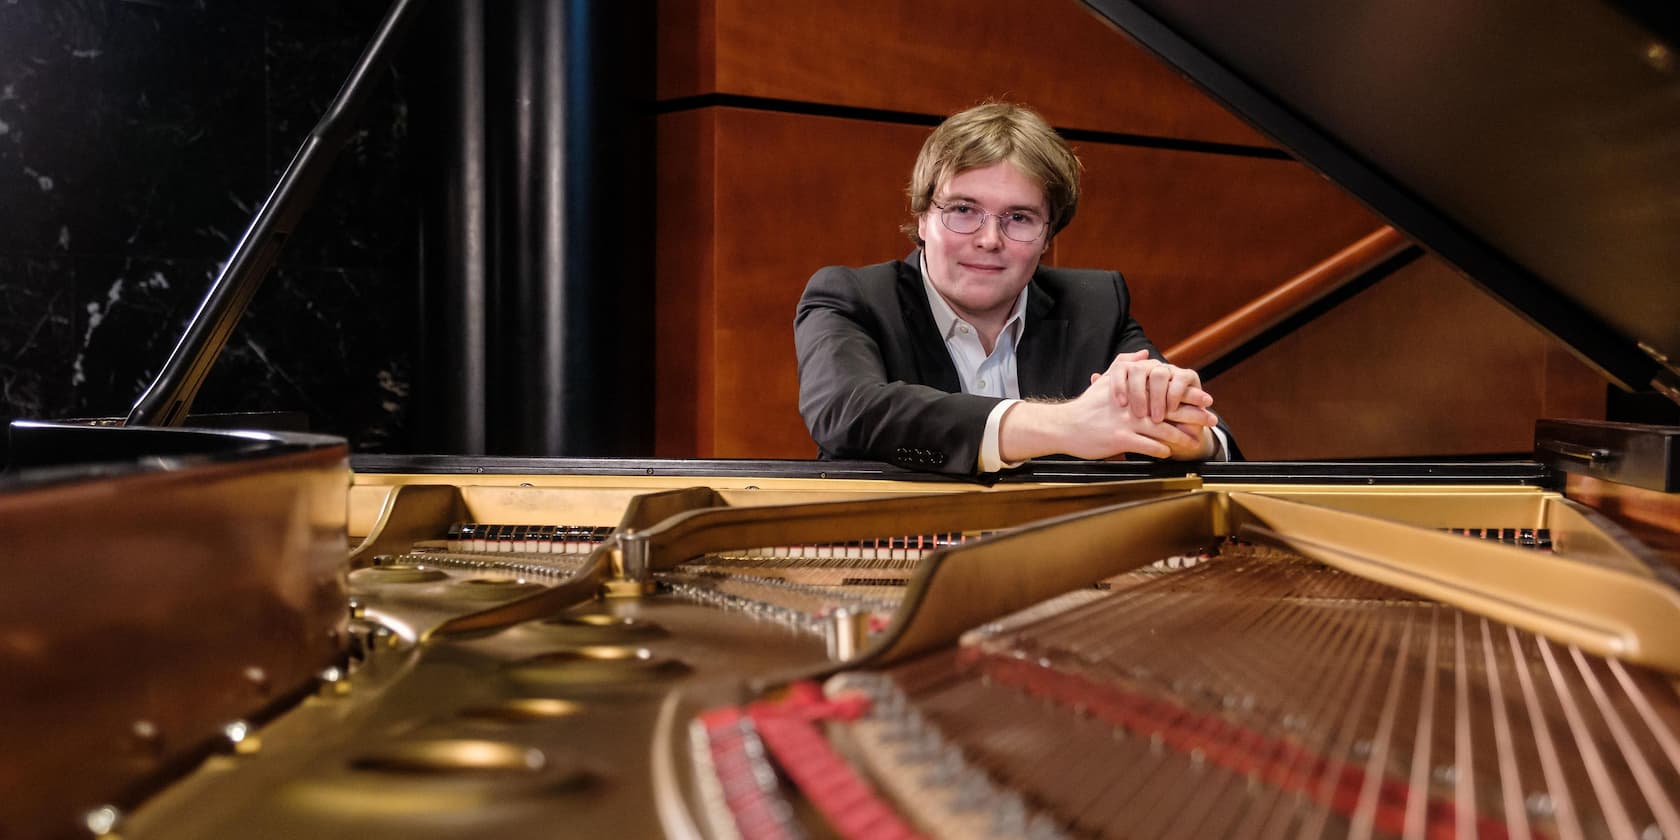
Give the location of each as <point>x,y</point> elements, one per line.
<point>397,573</point>
<point>454,756</point>
<point>524,710</point>
<point>1584,601</point>
<point>594,665</point>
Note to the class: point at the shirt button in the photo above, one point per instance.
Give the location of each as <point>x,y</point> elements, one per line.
<point>962,328</point>
<point>982,383</point>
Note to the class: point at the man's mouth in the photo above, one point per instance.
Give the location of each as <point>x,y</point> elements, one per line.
<point>981,267</point>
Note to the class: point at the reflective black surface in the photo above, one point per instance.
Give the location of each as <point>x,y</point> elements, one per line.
<point>1537,148</point>
<point>136,139</point>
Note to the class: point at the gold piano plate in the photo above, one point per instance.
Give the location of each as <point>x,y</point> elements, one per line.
<point>396,573</point>
<point>598,629</point>
<point>523,710</point>
<point>963,588</point>
<point>453,756</point>
<point>593,665</point>
<point>492,589</point>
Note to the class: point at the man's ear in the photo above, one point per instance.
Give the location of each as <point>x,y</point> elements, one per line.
<point>921,228</point>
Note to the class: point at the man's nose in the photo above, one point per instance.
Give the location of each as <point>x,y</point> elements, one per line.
<point>990,234</point>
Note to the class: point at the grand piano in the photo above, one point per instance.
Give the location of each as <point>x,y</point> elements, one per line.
<point>212,633</point>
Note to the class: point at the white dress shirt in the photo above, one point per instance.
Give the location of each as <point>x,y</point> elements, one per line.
<point>993,374</point>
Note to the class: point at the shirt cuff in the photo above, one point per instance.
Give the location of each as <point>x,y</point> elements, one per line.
<point>1222,452</point>
<point>990,459</point>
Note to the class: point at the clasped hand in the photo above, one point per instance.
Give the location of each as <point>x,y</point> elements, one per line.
<point>1149,407</point>
<point>1137,405</point>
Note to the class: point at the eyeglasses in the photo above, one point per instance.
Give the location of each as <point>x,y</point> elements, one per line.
<point>1019,225</point>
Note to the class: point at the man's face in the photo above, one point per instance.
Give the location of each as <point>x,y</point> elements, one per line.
<point>980,274</point>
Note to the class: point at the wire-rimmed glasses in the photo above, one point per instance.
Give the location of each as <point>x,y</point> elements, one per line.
<point>965,218</point>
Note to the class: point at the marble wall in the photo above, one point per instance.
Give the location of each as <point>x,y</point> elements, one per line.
<point>136,140</point>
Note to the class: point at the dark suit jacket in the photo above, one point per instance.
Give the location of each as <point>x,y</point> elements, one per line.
<point>876,382</point>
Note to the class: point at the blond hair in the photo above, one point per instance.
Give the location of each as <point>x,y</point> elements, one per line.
<point>989,133</point>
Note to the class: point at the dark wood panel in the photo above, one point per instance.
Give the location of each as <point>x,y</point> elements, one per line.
<point>794,194</point>
<point>788,194</point>
<point>684,276</point>
<point>751,204</point>
<point>1199,235</point>
<point>687,43</point>
<point>935,57</point>
<point>1423,363</point>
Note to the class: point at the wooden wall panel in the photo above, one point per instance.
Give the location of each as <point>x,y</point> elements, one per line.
<point>790,193</point>
<point>753,199</point>
<point>936,57</point>
<point>1199,235</point>
<point>793,193</point>
<point>1423,363</point>
<point>684,266</point>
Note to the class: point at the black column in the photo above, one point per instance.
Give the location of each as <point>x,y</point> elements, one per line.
<point>534,235</point>
<point>453,356</point>
<point>561,279</point>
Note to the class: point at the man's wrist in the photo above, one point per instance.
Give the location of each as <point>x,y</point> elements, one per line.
<point>1026,430</point>
<point>991,440</point>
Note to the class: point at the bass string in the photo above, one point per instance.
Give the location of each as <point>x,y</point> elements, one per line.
<point>1661,806</point>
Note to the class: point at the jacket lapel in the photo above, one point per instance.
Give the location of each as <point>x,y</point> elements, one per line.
<point>933,361</point>
<point>1038,358</point>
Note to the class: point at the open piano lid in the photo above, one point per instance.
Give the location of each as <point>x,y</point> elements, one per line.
<point>1536,147</point>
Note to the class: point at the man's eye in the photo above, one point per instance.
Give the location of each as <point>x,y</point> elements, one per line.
<point>962,210</point>
<point>1022,218</point>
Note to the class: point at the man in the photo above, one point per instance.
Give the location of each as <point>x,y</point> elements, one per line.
<point>923,361</point>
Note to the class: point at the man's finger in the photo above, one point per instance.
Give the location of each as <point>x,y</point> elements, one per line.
<point>1137,393</point>
<point>1194,415</point>
<point>1194,395</point>
<point>1168,435</point>
<point>1117,386</point>
<point>1160,379</point>
<point>1122,360</point>
<point>1176,389</point>
<point>1145,445</point>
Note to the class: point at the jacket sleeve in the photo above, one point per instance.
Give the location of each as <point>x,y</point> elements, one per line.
<point>851,407</point>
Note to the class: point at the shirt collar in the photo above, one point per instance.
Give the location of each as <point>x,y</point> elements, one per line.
<point>946,319</point>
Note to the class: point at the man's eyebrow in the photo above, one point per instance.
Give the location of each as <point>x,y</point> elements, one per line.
<point>972,200</point>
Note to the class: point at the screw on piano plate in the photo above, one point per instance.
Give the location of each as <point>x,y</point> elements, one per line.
<point>1361,749</point>
<point>1651,832</point>
<point>257,677</point>
<point>102,821</point>
<point>241,738</point>
<point>1540,805</point>
<point>1445,774</point>
<point>145,739</point>
<point>333,682</point>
